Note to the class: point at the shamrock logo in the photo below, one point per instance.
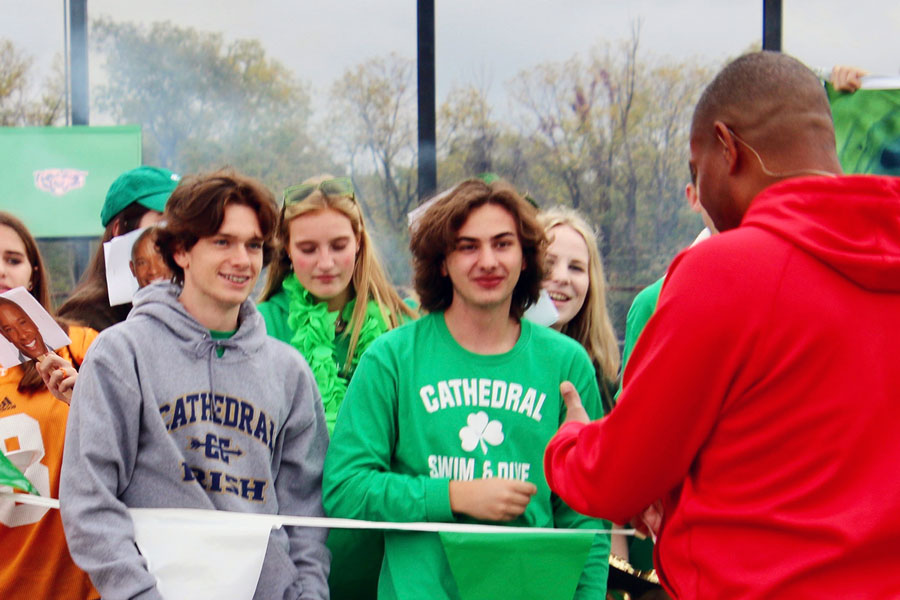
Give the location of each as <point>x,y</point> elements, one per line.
<point>480,429</point>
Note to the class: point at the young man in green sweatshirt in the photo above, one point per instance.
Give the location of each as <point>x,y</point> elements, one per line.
<point>447,417</point>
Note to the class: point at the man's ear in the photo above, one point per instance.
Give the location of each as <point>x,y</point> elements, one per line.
<point>131,266</point>
<point>444,268</point>
<point>181,257</point>
<point>690,192</point>
<point>729,145</point>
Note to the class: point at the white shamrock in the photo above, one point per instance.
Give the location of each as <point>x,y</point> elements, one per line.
<point>480,429</point>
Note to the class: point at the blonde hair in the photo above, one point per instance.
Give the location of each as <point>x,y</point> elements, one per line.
<point>591,327</point>
<point>368,281</point>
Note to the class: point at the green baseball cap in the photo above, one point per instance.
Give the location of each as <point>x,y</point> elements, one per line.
<point>148,186</point>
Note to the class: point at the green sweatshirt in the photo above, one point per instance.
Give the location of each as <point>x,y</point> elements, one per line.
<point>421,410</point>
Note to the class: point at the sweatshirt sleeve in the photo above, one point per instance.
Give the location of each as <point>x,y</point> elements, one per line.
<point>102,437</point>
<point>592,583</point>
<point>298,487</point>
<point>682,371</point>
<point>358,481</point>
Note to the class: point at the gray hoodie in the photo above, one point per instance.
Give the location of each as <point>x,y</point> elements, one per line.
<point>159,421</point>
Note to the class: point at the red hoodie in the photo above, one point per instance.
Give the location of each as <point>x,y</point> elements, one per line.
<point>764,391</point>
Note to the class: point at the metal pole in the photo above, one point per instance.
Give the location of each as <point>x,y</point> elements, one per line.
<point>426,99</point>
<point>772,25</point>
<point>66,62</point>
<point>78,55</point>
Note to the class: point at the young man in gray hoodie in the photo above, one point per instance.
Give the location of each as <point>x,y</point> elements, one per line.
<point>189,404</point>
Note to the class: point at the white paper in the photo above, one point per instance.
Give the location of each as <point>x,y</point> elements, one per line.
<point>413,216</point>
<point>543,312</point>
<point>51,333</point>
<point>202,555</point>
<point>121,283</point>
<point>880,82</point>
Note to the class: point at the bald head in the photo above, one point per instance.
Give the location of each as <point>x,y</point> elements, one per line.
<point>765,117</point>
<point>773,101</point>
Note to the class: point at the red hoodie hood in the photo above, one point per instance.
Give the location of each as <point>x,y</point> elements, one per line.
<point>851,223</point>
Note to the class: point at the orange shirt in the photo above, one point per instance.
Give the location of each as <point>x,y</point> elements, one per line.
<point>34,557</point>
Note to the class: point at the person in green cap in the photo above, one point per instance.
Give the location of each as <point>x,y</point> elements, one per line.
<point>135,199</point>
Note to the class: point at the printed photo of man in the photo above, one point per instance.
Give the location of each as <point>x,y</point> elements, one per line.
<point>18,328</point>
<point>147,264</point>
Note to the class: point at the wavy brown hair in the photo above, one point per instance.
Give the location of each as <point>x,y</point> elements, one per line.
<point>434,237</point>
<point>196,210</point>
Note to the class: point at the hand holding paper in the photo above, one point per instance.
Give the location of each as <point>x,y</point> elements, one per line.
<point>649,521</point>
<point>59,376</point>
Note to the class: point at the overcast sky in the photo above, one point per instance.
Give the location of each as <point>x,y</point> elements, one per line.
<point>491,40</point>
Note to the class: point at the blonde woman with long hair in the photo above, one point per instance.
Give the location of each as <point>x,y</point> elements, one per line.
<point>576,283</point>
<point>325,265</point>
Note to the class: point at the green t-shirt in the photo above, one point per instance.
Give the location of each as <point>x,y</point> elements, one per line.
<point>640,552</point>
<point>221,335</point>
<point>421,410</point>
<point>642,308</point>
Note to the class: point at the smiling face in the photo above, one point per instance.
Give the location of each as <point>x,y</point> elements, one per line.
<point>15,269</point>
<point>323,248</point>
<point>486,262</point>
<point>567,273</point>
<point>147,263</point>
<point>17,327</point>
<point>221,270</point>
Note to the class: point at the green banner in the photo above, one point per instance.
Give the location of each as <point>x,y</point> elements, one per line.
<point>12,477</point>
<point>525,566</point>
<point>55,178</point>
<point>867,129</point>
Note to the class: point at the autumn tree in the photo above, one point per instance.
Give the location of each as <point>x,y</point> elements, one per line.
<point>372,124</point>
<point>469,135</point>
<point>608,135</point>
<point>19,104</point>
<point>204,103</point>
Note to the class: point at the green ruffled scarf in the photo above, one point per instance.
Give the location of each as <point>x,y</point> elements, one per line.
<point>314,336</point>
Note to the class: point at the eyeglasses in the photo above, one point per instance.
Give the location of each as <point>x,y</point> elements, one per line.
<point>339,186</point>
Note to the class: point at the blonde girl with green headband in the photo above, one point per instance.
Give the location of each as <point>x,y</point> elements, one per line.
<point>326,264</point>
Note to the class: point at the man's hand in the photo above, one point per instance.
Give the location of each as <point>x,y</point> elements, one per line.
<point>59,376</point>
<point>574,410</point>
<point>491,499</point>
<point>650,520</point>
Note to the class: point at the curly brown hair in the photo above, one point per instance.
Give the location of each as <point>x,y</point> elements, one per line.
<point>434,237</point>
<point>196,210</point>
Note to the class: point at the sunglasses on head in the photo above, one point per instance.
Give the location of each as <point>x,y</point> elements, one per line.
<point>339,186</point>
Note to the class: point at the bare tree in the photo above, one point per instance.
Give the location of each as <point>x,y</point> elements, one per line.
<point>372,122</point>
<point>19,106</point>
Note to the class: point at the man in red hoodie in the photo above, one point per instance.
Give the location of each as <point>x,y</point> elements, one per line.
<point>763,386</point>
